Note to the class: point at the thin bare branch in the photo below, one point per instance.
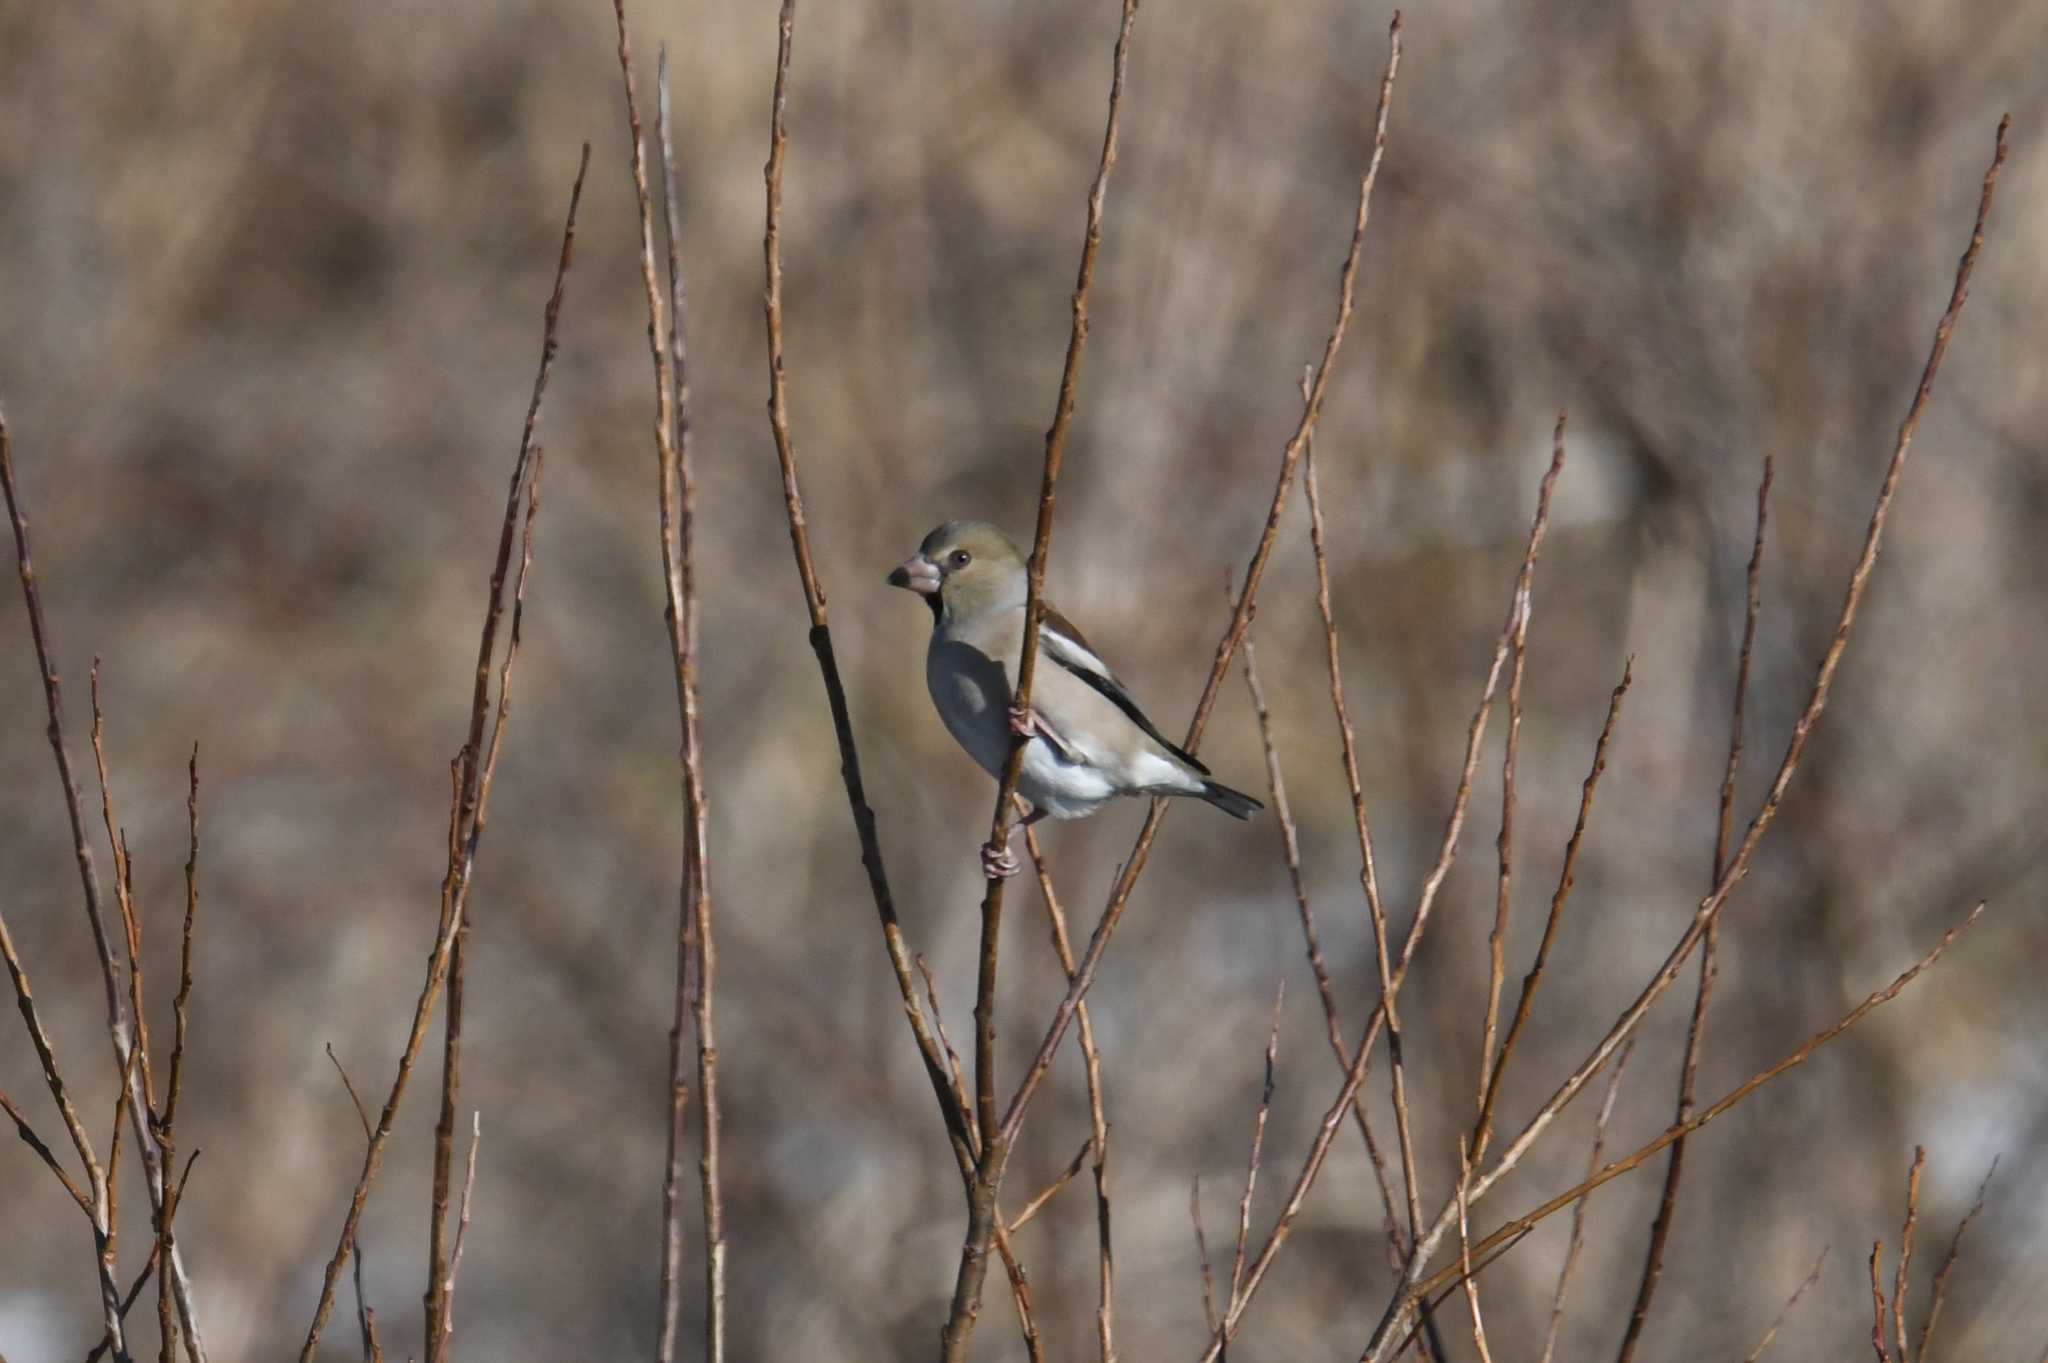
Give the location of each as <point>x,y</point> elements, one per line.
<point>1465,1256</point>
<point>1948,1262</point>
<point>1906,1250</point>
<point>1098,1123</point>
<point>1688,1075</point>
<point>366,1319</point>
<point>1251,1168</point>
<point>471,777</point>
<point>983,1216</point>
<point>1804,1052</point>
<point>1202,1256</point>
<point>1786,1312</point>
<point>1290,849</point>
<point>118,1028</point>
<point>476,1135</point>
<point>957,1119</point>
<point>1059,1181</point>
<point>1578,1238</point>
<point>1226,651</point>
<point>1877,1304</point>
<point>1393,1324</point>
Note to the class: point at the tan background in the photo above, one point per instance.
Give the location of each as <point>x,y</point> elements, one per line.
<point>272,278</point>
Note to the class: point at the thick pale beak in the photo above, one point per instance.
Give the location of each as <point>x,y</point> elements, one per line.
<point>917,574</point>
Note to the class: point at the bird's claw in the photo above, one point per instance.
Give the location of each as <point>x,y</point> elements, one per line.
<point>1023,722</point>
<point>998,863</point>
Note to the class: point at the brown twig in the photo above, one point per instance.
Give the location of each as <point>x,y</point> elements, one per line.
<point>1526,1003</point>
<point>997,1140</point>
<point>1906,1249</point>
<point>1226,648</point>
<point>1804,1052</point>
<point>166,1132</point>
<point>102,1205</point>
<point>1393,1324</point>
<point>1251,1168</point>
<point>696,956</point>
<point>965,1155</point>
<point>124,894</point>
<point>1948,1262</point>
<point>1290,850</point>
<point>43,1152</point>
<point>1504,844</point>
<point>1202,1257</point>
<point>1060,1180</point>
<point>1391,979</point>
<point>1098,1125</point>
<point>1877,1304</point>
<point>1786,1311</point>
<point>134,1293</point>
<point>1465,1255</point>
<point>1674,1171</point>
<point>476,1135</point>
<point>471,776</point>
<point>53,1079</point>
<point>366,1319</point>
<point>957,1119</point>
<point>1578,1237</point>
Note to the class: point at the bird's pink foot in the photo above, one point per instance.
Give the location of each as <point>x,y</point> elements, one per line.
<point>1023,722</point>
<point>998,863</point>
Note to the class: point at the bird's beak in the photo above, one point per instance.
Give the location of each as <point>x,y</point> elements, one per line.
<point>917,574</point>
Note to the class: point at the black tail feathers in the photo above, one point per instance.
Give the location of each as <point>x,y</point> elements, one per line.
<point>1235,803</point>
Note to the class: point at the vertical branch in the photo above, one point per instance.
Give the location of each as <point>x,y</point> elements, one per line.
<point>1877,1303</point>
<point>473,783</point>
<point>983,1218</point>
<point>1251,1168</point>
<point>1674,1170</point>
<point>476,1135</point>
<point>956,1118</point>
<point>1496,941</point>
<point>695,954</point>
<point>1906,1250</point>
<point>166,1136</point>
<point>470,779</point>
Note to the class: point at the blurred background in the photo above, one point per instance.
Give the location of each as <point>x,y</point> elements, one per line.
<point>273,278</point>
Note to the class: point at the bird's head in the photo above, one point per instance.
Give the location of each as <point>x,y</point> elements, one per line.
<point>963,569</point>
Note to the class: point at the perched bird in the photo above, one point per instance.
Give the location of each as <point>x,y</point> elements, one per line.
<point>1088,740</point>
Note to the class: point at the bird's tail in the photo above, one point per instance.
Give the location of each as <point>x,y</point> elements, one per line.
<point>1235,803</point>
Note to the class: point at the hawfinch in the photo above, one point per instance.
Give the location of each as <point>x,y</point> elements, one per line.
<point>1087,739</point>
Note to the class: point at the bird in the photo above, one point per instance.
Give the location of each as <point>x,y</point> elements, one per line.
<point>1087,740</point>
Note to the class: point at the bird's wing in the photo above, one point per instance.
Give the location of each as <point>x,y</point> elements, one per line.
<point>1065,645</point>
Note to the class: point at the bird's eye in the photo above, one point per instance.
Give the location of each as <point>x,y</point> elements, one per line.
<point>960,558</point>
